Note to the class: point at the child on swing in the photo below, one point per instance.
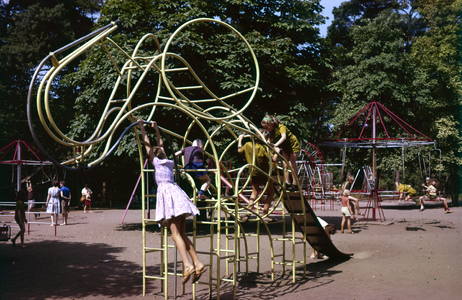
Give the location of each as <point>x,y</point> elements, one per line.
<point>173,205</point>
<point>431,192</point>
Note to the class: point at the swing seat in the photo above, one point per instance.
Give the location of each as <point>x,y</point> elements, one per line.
<point>5,233</point>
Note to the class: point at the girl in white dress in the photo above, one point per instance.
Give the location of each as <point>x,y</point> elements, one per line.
<point>53,204</point>
<point>173,205</point>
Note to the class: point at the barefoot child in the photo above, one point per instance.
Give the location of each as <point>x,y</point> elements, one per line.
<point>283,138</point>
<point>346,210</point>
<point>20,216</point>
<point>173,205</point>
<point>348,184</point>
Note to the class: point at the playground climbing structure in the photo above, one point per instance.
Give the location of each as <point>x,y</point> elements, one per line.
<point>180,89</point>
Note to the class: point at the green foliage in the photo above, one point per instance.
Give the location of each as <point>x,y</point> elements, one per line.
<point>29,30</point>
<point>282,34</point>
<point>413,69</point>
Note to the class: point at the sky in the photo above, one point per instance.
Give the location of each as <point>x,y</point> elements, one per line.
<point>327,12</point>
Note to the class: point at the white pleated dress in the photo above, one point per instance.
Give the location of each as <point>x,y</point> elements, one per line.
<point>172,201</point>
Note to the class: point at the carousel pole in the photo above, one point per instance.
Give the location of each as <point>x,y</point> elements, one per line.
<point>374,188</point>
<point>18,168</point>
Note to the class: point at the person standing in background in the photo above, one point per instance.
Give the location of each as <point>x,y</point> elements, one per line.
<point>53,205</point>
<point>65,200</point>
<point>20,216</point>
<point>86,192</point>
<point>31,195</point>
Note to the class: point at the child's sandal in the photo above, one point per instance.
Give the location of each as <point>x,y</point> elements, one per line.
<point>187,275</point>
<point>198,275</point>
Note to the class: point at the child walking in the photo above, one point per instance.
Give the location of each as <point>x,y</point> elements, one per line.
<point>346,210</point>
<point>20,216</point>
<point>173,205</point>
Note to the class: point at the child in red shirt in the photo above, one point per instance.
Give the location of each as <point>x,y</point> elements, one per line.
<point>346,210</point>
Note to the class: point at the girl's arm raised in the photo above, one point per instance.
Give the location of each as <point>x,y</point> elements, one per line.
<point>160,142</point>
<point>145,139</point>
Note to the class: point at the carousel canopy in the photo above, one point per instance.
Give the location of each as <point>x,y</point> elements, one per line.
<point>23,154</point>
<point>375,126</point>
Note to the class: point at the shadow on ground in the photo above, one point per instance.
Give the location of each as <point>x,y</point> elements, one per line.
<point>59,269</point>
<point>260,285</point>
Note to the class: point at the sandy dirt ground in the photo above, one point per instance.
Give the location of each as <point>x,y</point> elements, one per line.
<point>412,255</point>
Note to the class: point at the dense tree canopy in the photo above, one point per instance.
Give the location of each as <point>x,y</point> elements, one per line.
<point>29,30</point>
<point>282,34</point>
<point>413,70</point>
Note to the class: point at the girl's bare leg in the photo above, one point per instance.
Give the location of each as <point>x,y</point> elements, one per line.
<point>343,224</point>
<point>445,204</point>
<point>349,225</point>
<point>189,246</point>
<point>352,208</point>
<point>254,194</point>
<point>357,206</point>
<point>175,228</point>
<point>23,229</point>
<point>286,173</point>
<point>293,164</point>
<point>313,253</point>
<point>205,180</point>
<point>269,198</point>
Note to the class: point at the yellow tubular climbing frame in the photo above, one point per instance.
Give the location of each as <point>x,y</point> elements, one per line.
<point>226,244</point>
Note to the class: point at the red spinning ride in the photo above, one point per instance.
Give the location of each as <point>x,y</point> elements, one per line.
<point>368,129</point>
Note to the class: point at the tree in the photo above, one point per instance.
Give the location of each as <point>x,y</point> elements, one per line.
<point>29,30</point>
<point>437,54</point>
<point>418,80</point>
<point>381,69</point>
<point>282,35</point>
<point>351,13</point>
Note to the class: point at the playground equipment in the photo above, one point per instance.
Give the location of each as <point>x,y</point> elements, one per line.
<point>315,180</point>
<point>373,119</point>
<point>20,159</point>
<point>227,243</point>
